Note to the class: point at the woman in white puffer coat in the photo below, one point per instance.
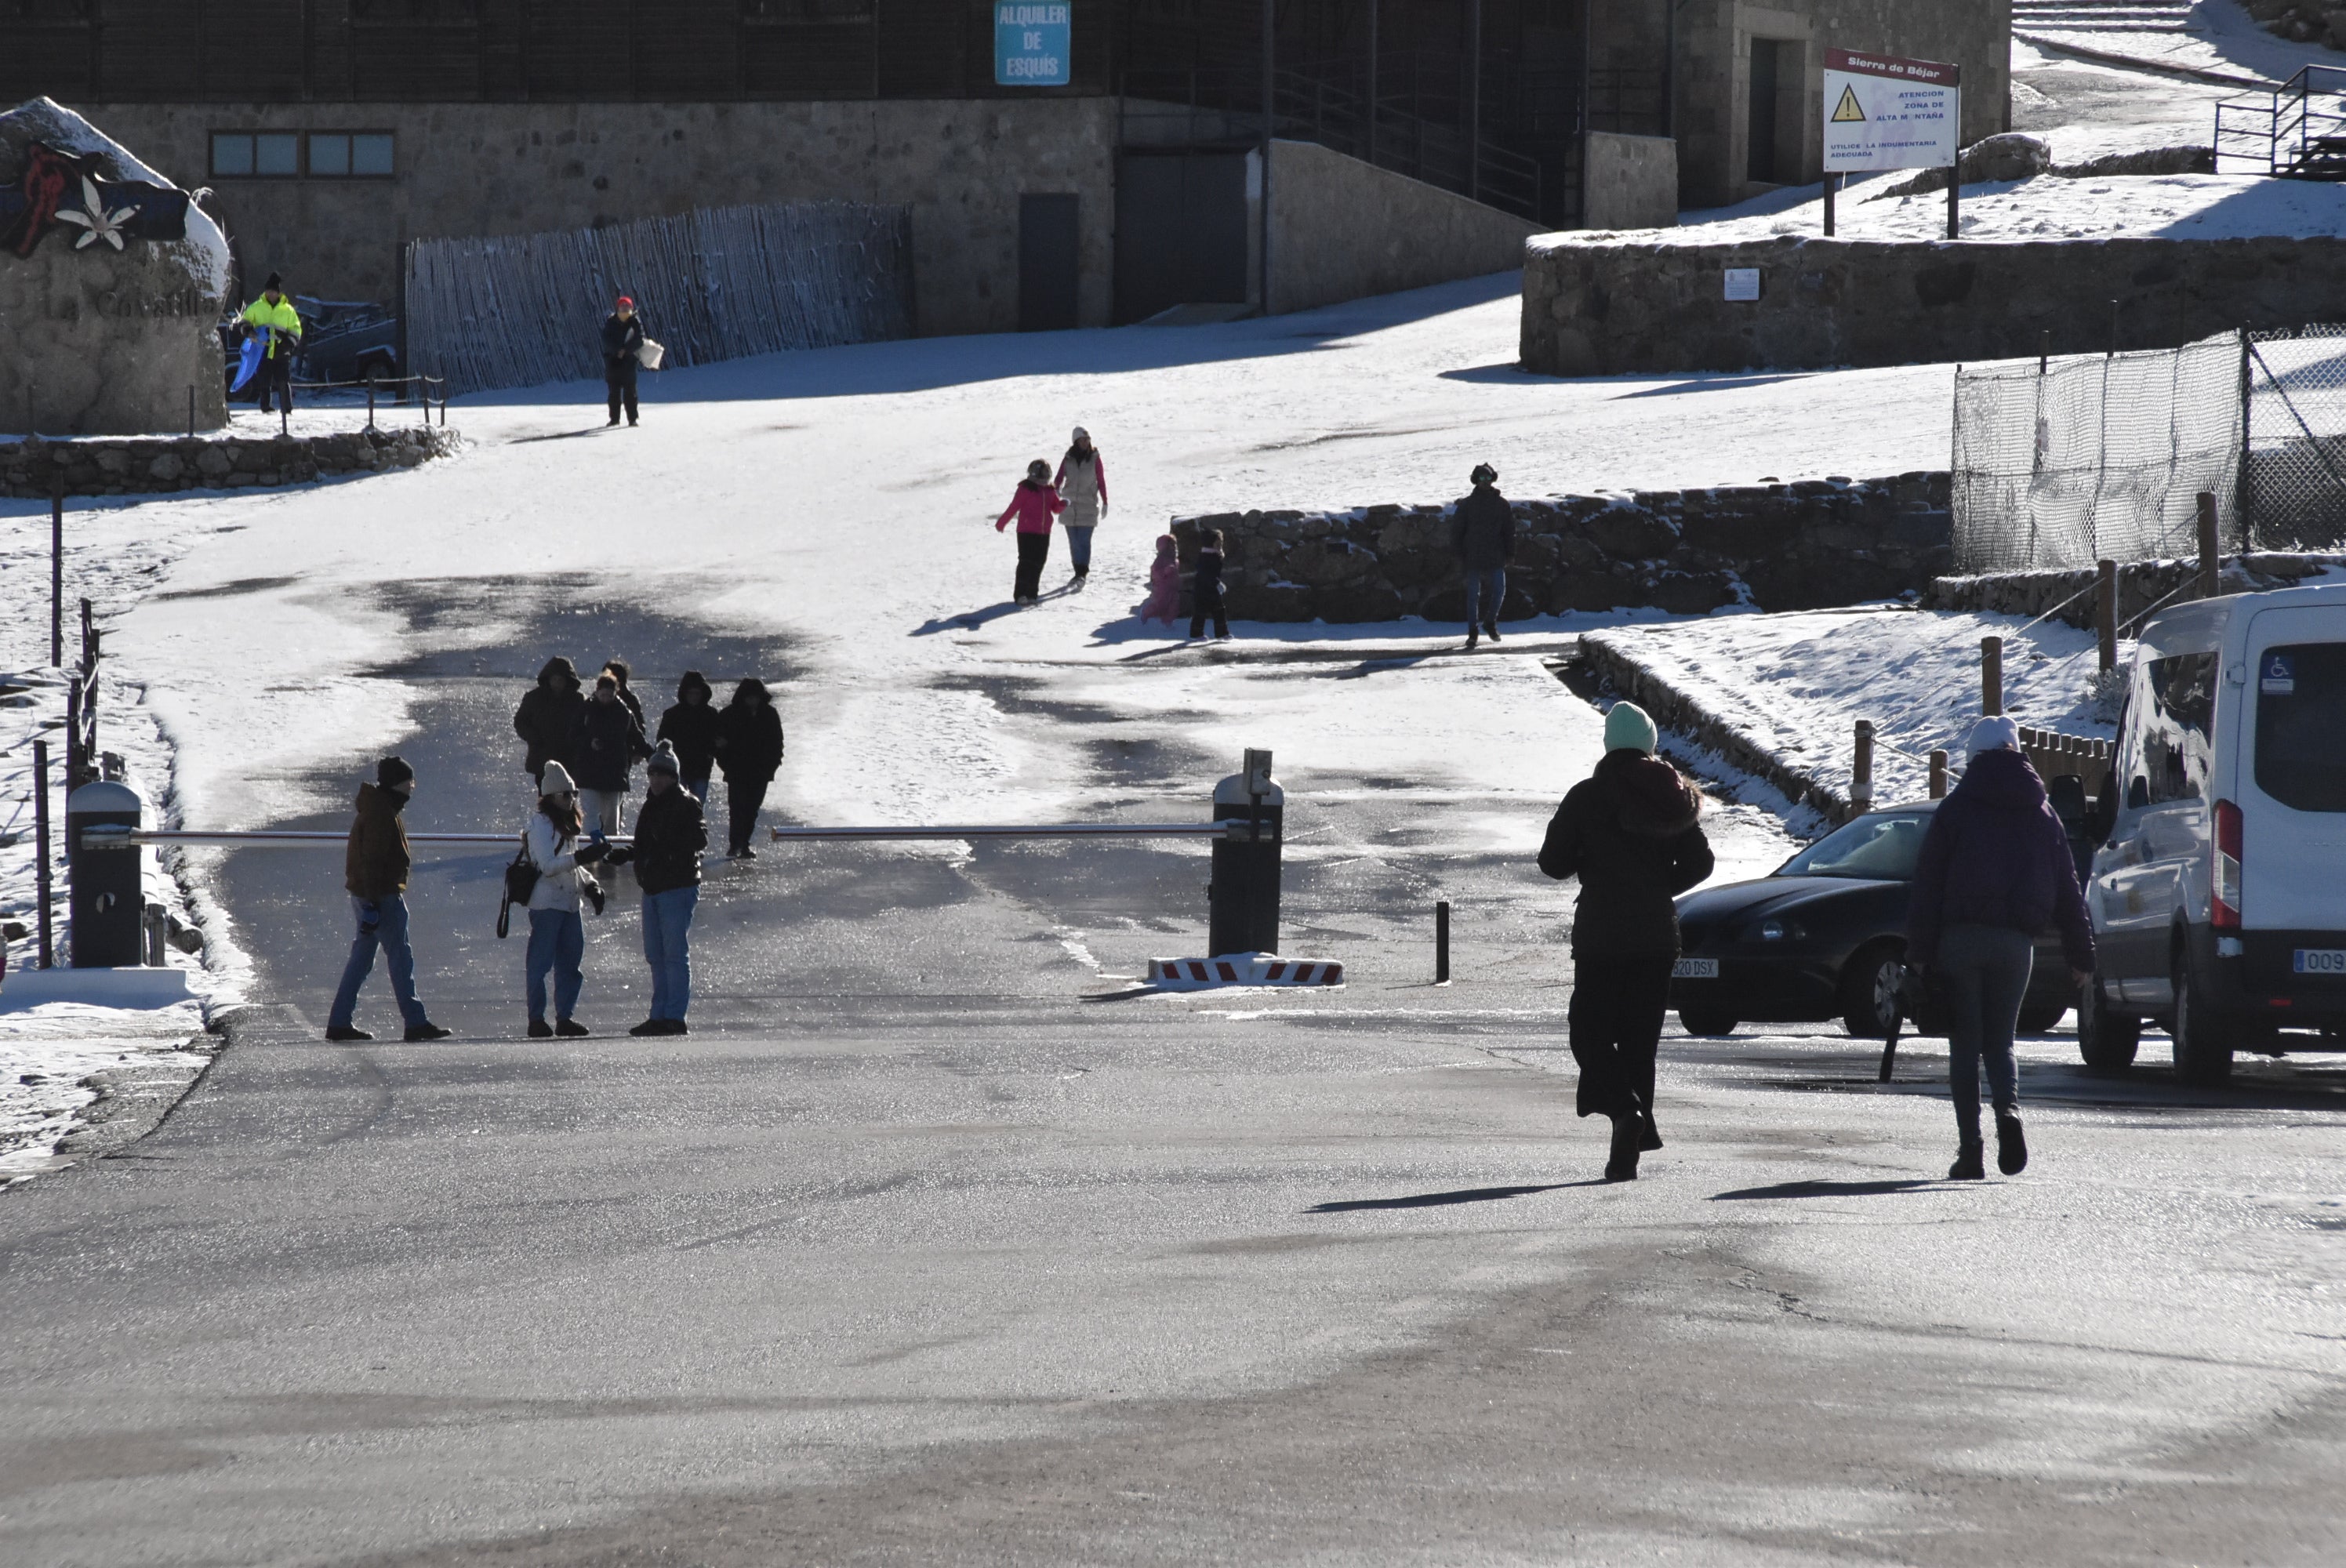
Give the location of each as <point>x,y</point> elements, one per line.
<point>558,937</point>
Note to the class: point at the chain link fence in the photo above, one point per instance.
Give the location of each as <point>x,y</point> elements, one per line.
<point>2063,462</point>
<point>2295,497</point>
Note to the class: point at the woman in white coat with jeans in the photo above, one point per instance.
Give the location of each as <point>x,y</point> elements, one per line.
<point>1082,483</point>
<point>557,938</point>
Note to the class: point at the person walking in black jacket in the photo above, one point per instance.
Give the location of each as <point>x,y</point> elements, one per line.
<point>690,726</point>
<point>1483,536</point>
<point>623,335</point>
<point>1631,833</point>
<point>617,668</point>
<point>609,741</point>
<point>1205,589</point>
<point>670,833</point>
<point>548,718</point>
<point>749,750</point>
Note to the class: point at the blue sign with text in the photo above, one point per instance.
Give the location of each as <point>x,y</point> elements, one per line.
<point>1031,43</point>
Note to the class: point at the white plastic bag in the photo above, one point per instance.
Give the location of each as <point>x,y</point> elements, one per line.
<point>649,354</point>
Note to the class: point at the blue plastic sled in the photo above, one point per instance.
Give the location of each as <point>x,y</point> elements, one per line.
<point>248,364</point>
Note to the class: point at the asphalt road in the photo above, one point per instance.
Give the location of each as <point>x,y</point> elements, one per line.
<point>936,1242</point>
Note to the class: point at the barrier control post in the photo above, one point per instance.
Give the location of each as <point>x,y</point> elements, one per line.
<point>106,886</point>
<point>1242,903</point>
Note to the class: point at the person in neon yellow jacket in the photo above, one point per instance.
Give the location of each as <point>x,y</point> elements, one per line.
<point>273,316</point>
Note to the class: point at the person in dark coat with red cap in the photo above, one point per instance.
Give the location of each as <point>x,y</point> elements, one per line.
<point>1632,834</point>
<point>623,335</point>
<point>1995,870</point>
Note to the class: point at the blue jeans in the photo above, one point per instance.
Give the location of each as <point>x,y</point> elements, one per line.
<point>668,948</point>
<point>556,937</point>
<point>1080,548</point>
<point>1487,590</point>
<point>1985,969</point>
<point>383,922</point>
<point>696,788</point>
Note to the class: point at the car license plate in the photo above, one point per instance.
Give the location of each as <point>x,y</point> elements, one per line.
<point>2320,960</point>
<point>1708,968</point>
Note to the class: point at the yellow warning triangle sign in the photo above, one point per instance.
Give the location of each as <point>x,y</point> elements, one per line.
<point>1847,109</point>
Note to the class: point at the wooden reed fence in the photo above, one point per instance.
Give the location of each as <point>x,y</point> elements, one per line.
<point>715,284</point>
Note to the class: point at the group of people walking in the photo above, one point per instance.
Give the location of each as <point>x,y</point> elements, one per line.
<point>580,751</point>
<point>1075,496</point>
<point>1996,872</point>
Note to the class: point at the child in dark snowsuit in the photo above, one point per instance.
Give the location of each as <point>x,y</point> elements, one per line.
<point>1205,589</point>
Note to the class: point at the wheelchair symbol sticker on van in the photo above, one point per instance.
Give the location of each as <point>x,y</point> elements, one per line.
<point>2280,676</point>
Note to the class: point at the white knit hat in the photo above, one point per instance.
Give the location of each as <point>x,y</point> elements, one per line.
<point>1997,734</point>
<point>556,781</point>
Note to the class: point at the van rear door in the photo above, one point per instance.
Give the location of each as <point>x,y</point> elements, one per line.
<point>2290,778</point>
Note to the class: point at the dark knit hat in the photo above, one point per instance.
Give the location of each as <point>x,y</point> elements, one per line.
<point>276,282</point>
<point>664,762</point>
<point>392,771</point>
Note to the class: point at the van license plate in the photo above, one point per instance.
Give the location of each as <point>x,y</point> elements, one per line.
<point>2320,960</point>
<point>1708,968</point>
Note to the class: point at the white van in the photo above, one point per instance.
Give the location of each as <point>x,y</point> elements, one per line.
<point>2218,890</point>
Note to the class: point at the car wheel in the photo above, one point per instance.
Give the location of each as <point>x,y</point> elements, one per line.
<point>1869,990</point>
<point>1709,1022</point>
<point>2203,1045</point>
<point>2037,1020</point>
<point>2106,1039</point>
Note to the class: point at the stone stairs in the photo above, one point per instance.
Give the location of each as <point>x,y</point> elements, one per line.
<point>2100,16</point>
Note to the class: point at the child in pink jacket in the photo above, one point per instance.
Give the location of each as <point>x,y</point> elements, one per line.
<point>1164,584</point>
<point>1034,503</point>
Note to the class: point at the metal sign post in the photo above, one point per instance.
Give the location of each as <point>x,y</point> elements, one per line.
<point>1885,112</point>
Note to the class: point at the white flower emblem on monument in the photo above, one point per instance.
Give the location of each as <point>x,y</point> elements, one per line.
<point>94,217</point>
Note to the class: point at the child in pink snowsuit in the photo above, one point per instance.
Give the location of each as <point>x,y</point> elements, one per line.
<point>1164,584</point>
<point>1034,503</point>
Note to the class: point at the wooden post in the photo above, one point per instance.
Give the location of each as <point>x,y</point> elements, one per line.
<point>57,575</point>
<point>2106,616</point>
<point>41,871</point>
<point>1938,774</point>
<point>1861,778</point>
<point>1991,676</point>
<point>1441,942</point>
<point>2211,558</point>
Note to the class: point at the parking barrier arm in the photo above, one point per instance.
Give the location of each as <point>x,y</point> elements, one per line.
<point>100,837</point>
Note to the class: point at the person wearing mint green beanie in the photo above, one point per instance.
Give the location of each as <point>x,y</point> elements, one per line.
<point>1631,832</point>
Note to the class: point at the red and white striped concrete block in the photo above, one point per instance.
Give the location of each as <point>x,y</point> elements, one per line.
<point>1242,969</point>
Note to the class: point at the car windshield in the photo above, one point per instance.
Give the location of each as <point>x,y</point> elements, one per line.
<point>1881,845</point>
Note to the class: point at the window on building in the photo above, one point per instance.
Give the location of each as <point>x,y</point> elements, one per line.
<point>806,13</point>
<point>259,154</point>
<point>348,154</point>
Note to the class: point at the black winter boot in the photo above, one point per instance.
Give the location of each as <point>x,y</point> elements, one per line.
<point>1472,634</point>
<point>1967,1165</point>
<point>1649,1137</point>
<point>1491,630</point>
<point>344,1034</point>
<point>569,1030</point>
<point>2010,1146</point>
<point>1626,1133</point>
<point>539,1029</point>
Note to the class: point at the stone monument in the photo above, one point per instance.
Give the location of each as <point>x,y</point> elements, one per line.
<point>112,284</point>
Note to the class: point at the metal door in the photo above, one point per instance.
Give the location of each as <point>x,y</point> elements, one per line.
<point>1180,231</point>
<point>1049,238</point>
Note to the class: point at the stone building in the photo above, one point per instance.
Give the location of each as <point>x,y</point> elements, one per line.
<point>335,131</point>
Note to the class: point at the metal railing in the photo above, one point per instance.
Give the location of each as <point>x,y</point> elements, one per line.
<point>102,837</point>
<point>371,384</point>
<point>2297,131</point>
<point>1224,109</point>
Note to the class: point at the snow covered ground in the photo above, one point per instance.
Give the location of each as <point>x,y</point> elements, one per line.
<point>1797,684</point>
<point>2218,36</point>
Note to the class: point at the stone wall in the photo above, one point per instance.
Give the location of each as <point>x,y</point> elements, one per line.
<point>1615,307</point>
<point>132,467</point>
<point>1632,182</point>
<point>2068,594</point>
<point>1342,229</point>
<point>1795,546</point>
<point>489,169</point>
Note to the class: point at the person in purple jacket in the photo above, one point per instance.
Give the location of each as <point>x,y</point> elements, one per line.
<point>1994,873</point>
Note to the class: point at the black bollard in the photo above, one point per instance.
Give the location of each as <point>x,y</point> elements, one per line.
<point>1242,904</point>
<point>1441,942</point>
<point>107,891</point>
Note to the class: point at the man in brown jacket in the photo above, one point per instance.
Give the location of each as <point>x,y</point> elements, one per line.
<point>375,872</point>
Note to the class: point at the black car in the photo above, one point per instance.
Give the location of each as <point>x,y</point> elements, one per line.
<point>1824,937</point>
